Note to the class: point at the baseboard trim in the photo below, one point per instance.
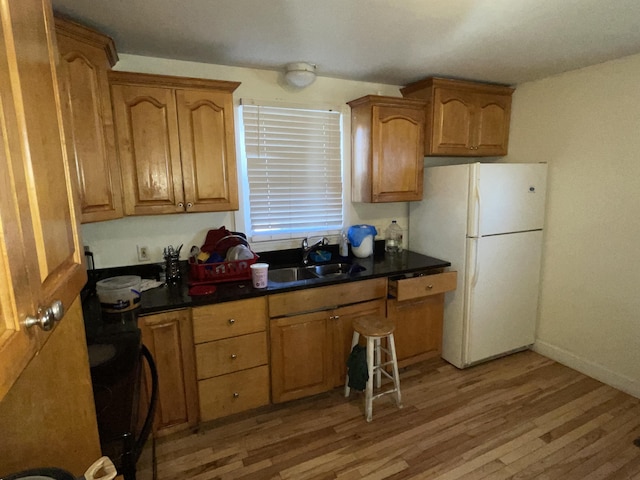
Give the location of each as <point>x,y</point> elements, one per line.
<point>594,370</point>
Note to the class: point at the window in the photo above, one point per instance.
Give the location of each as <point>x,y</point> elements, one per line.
<point>294,171</point>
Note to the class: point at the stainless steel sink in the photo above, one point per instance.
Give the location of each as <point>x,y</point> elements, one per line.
<point>295,274</point>
<point>333,269</point>
<point>291,274</point>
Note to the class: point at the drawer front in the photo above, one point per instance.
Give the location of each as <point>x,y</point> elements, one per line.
<point>417,287</point>
<point>233,393</point>
<point>229,319</point>
<point>231,354</point>
<point>314,299</point>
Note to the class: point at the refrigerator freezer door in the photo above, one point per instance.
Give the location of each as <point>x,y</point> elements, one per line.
<point>506,198</point>
<point>501,294</point>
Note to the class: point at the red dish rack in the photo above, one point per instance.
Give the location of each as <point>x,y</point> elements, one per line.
<point>203,273</point>
<point>227,271</point>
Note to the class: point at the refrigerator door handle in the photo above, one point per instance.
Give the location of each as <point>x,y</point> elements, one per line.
<point>474,219</point>
<point>476,268</point>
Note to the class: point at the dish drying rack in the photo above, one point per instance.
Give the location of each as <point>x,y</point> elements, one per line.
<point>219,272</point>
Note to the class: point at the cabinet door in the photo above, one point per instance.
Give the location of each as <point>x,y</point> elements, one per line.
<point>398,156</point>
<point>42,260</point>
<point>169,338</point>
<point>451,132</point>
<point>148,145</point>
<point>342,323</point>
<point>301,360</point>
<point>418,333</point>
<point>87,104</point>
<point>207,149</point>
<point>491,124</point>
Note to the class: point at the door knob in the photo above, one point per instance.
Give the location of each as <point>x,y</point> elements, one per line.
<point>46,316</point>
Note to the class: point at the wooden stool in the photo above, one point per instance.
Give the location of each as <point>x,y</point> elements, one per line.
<point>374,329</point>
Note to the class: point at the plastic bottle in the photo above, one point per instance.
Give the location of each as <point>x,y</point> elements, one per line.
<point>393,238</point>
<point>344,247</point>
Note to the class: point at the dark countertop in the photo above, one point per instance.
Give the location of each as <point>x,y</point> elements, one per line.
<point>171,297</point>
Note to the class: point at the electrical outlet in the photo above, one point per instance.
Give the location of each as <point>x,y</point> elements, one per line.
<point>143,253</point>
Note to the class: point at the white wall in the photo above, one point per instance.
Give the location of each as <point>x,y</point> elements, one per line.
<point>586,125</point>
<point>114,242</point>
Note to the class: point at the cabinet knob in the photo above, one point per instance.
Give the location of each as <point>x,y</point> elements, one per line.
<point>334,317</point>
<point>181,205</point>
<point>236,394</point>
<point>189,205</point>
<point>233,356</point>
<point>232,321</point>
<point>429,287</point>
<point>46,316</point>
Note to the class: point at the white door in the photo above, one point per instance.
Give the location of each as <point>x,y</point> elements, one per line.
<point>502,294</point>
<point>506,198</point>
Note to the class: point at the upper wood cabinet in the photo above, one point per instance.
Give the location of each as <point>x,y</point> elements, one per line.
<point>41,258</point>
<point>464,118</point>
<point>387,149</point>
<point>86,57</point>
<point>176,143</point>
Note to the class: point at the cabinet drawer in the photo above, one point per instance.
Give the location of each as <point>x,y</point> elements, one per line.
<point>231,354</point>
<point>416,287</point>
<point>229,319</point>
<point>322,298</point>
<point>233,393</point>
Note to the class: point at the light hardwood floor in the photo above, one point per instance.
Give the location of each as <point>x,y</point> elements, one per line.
<point>519,417</point>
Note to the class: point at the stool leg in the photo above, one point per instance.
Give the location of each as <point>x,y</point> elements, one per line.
<point>396,374</point>
<point>378,363</point>
<point>368,399</point>
<point>354,341</point>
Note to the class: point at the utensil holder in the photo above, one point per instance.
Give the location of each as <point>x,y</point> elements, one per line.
<point>172,267</point>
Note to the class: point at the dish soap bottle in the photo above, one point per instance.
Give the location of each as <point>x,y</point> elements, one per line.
<point>393,238</point>
<point>344,246</point>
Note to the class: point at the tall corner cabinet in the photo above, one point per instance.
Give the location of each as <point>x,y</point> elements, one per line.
<point>86,57</point>
<point>176,143</point>
<point>41,260</point>
<point>387,149</point>
<point>463,118</point>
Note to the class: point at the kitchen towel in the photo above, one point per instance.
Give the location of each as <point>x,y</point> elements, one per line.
<point>357,368</point>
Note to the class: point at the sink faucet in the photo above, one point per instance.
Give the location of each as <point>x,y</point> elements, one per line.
<point>306,249</point>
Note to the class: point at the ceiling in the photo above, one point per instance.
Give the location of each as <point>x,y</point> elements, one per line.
<point>383,41</point>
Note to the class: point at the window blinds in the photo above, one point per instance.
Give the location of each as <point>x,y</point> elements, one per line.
<point>294,167</point>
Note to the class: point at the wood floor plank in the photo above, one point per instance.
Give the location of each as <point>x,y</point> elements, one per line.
<point>515,418</point>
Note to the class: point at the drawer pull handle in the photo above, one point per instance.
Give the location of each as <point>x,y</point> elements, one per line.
<point>232,321</point>
<point>236,394</point>
<point>429,287</point>
<point>233,356</point>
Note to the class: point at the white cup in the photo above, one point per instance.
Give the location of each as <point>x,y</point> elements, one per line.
<point>260,275</point>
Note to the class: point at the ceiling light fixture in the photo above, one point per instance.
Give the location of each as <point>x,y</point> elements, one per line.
<point>300,74</point>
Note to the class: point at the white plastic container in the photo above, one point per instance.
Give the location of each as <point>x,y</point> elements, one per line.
<point>260,275</point>
<point>361,240</point>
<point>119,294</point>
<point>365,249</point>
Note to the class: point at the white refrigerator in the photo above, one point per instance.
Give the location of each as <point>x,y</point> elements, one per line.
<point>487,220</point>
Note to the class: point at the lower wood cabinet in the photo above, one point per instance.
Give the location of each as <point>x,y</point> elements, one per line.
<point>234,392</point>
<point>169,338</point>
<point>221,359</point>
<point>417,307</point>
<point>232,360</point>
<point>311,334</point>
